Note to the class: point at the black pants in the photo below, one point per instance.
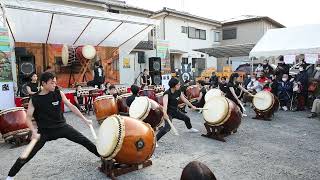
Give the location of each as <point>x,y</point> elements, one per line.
<point>173,114</point>
<point>67,132</point>
<point>198,104</point>
<point>94,83</point>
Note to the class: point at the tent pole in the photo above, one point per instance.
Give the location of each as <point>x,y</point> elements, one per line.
<point>252,65</point>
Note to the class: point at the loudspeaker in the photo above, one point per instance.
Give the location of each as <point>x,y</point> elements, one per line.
<point>26,66</point>
<point>20,51</point>
<point>141,58</point>
<point>155,70</point>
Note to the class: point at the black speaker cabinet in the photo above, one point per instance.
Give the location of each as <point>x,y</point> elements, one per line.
<point>155,70</point>
<point>141,57</point>
<point>26,66</point>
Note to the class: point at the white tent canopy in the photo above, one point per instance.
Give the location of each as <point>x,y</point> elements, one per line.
<point>288,41</point>
<point>39,22</point>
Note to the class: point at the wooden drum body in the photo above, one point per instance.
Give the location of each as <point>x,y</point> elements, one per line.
<point>122,103</point>
<point>265,104</point>
<point>159,98</point>
<point>192,92</point>
<point>222,112</point>
<point>150,93</point>
<point>147,110</point>
<point>126,140</point>
<point>105,106</point>
<point>13,122</point>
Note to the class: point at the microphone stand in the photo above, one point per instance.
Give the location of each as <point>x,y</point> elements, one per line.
<point>136,79</point>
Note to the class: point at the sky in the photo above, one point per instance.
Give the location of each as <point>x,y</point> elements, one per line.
<point>287,12</point>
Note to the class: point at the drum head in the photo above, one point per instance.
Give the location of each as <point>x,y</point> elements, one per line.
<point>65,55</point>
<point>218,108</point>
<point>212,93</point>
<point>110,137</point>
<point>139,108</point>
<point>104,97</point>
<point>88,51</point>
<point>263,100</point>
<point>125,95</point>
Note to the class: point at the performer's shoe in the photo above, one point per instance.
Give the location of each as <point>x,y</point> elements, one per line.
<point>10,178</point>
<point>244,115</point>
<point>157,144</point>
<point>193,130</point>
<point>285,108</point>
<point>312,115</point>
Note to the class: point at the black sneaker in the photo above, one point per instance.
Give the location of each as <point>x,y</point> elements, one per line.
<point>312,115</point>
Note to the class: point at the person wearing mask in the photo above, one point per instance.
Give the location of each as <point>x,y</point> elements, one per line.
<point>200,100</point>
<point>207,81</point>
<point>281,69</point>
<point>259,70</point>
<point>246,80</point>
<point>135,91</point>
<point>214,80</point>
<point>267,69</point>
<point>106,86</point>
<point>78,98</point>
<point>170,108</point>
<point>33,85</point>
<point>145,79</point>
<point>223,86</point>
<point>254,85</point>
<point>98,76</point>
<point>302,80</point>
<point>284,91</point>
<point>231,91</point>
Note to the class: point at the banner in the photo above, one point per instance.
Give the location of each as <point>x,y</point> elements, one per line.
<point>311,58</point>
<point>6,78</point>
<point>163,52</point>
<point>289,59</point>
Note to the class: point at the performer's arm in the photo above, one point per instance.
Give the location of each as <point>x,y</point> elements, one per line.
<point>150,81</point>
<point>200,96</point>
<point>141,81</point>
<point>74,109</point>
<point>29,91</point>
<point>234,94</point>
<point>242,89</point>
<point>29,120</point>
<point>185,100</point>
<point>165,106</point>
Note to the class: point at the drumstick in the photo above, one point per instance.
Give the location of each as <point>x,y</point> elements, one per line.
<point>29,148</point>
<point>202,109</point>
<point>93,132</point>
<point>172,127</point>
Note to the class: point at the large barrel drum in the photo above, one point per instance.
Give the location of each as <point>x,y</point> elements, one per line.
<point>105,106</point>
<point>125,139</point>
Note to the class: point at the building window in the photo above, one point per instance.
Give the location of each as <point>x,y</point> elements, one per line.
<point>229,33</point>
<point>184,29</point>
<point>197,33</point>
<point>217,35</point>
<point>184,60</point>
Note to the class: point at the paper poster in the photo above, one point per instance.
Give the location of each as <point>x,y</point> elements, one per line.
<point>165,81</point>
<point>126,62</point>
<point>289,59</point>
<point>311,58</point>
<point>7,95</point>
<point>163,52</point>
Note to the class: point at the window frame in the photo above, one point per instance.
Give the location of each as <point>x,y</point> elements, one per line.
<point>229,29</point>
<point>197,33</point>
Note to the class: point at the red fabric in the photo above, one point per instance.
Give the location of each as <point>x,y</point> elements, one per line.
<point>18,101</point>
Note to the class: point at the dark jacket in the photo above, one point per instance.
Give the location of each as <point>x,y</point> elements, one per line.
<point>285,89</point>
<point>214,81</point>
<point>302,77</point>
<point>282,69</point>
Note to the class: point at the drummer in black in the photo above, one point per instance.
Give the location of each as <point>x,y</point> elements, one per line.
<point>231,91</point>
<point>45,107</point>
<point>33,85</point>
<point>200,100</point>
<point>135,90</point>
<point>145,79</point>
<point>170,107</point>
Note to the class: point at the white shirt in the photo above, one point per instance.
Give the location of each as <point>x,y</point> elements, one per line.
<point>254,85</point>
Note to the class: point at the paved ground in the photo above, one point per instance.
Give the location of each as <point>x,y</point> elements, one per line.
<point>286,148</point>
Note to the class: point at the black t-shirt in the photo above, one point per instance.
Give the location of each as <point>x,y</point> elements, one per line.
<point>99,75</point>
<point>47,110</point>
<point>33,86</point>
<point>173,99</point>
<point>130,99</point>
<point>146,79</point>
<point>203,91</point>
<point>79,97</point>
<point>223,87</point>
<point>228,93</point>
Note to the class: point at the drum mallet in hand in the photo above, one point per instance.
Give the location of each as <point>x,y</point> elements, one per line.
<point>29,148</point>
<point>175,132</point>
<point>93,132</point>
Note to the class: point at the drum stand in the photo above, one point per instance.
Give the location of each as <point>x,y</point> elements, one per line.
<point>20,139</point>
<point>216,132</point>
<point>263,116</point>
<point>113,169</point>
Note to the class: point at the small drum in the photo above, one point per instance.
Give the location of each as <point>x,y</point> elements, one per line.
<point>86,52</point>
<point>68,54</point>
<point>212,93</point>
<point>122,104</point>
<point>265,103</point>
<point>147,110</point>
<point>105,106</point>
<point>13,122</point>
<point>222,112</point>
<point>150,93</point>
<point>192,92</point>
<point>126,140</point>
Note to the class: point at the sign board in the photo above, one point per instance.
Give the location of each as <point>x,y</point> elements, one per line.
<point>311,58</point>
<point>163,52</point>
<point>289,59</point>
